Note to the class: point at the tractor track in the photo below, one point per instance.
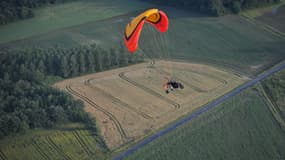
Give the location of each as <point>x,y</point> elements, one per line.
<point>150,91</point>
<point>96,106</point>
<point>87,140</point>
<point>224,82</point>
<point>200,111</point>
<point>264,27</point>
<point>82,143</point>
<point>2,156</point>
<point>117,100</point>
<point>207,75</point>
<point>39,150</point>
<point>57,148</point>
<point>184,82</point>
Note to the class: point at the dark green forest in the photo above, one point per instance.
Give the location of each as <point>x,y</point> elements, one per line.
<point>215,7</point>
<point>11,10</point>
<point>28,101</point>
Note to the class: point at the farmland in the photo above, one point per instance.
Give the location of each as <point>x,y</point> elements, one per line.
<point>69,142</point>
<point>54,17</point>
<point>229,41</point>
<point>274,18</point>
<point>274,93</point>
<point>241,128</point>
<point>209,55</point>
<point>129,103</point>
<point>269,18</point>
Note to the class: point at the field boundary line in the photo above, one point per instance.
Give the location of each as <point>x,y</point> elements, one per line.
<point>150,91</point>
<point>39,150</point>
<point>2,155</point>
<point>272,107</point>
<point>115,99</point>
<point>87,140</point>
<point>96,106</point>
<point>57,148</point>
<point>202,110</point>
<point>264,26</point>
<point>82,143</point>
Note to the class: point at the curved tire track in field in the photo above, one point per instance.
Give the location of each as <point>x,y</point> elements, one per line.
<point>150,91</point>
<point>117,100</point>
<point>200,111</point>
<point>96,106</point>
<point>82,143</point>
<point>39,150</point>
<point>3,156</point>
<point>184,82</point>
<point>57,148</point>
<point>224,82</point>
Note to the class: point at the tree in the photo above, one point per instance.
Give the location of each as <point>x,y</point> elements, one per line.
<point>74,67</point>
<point>114,57</point>
<point>91,62</point>
<point>41,66</point>
<point>27,101</point>
<point>82,62</point>
<point>65,68</point>
<point>98,59</point>
<point>106,59</point>
<point>123,56</point>
<point>236,6</point>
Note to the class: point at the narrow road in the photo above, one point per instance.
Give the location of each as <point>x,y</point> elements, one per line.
<point>200,111</point>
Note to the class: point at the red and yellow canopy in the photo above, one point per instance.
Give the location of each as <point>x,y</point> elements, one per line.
<point>133,29</point>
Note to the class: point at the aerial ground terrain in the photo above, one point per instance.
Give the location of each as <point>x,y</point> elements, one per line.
<point>130,103</point>
<point>211,56</point>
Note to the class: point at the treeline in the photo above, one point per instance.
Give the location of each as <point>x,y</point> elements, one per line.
<point>11,10</point>
<point>27,101</point>
<point>215,7</point>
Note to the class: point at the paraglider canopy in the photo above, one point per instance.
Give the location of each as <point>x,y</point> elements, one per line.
<point>133,29</point>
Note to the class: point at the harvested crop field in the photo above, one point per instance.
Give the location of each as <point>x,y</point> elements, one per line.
<point>129,103</point>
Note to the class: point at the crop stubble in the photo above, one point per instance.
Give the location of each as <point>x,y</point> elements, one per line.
<point>129,103</point>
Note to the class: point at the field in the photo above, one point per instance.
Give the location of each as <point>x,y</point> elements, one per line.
<point>274,18</point>
<point>241,128</point>
<point>273,90</point>
<point>54,17</point>
<point>230,41</point>
<point>269,18</point>
<point>129,103</point>
<point>71,142</point>
<point>257,12</point>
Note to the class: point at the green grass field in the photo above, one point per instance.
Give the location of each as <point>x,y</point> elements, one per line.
<point>241,128</point>
<point>274,18</point>
<point>273,90</point>
<point>256,12</point>
<point>229,41</point>
<point>64,15</point>
<point>71,142</point>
